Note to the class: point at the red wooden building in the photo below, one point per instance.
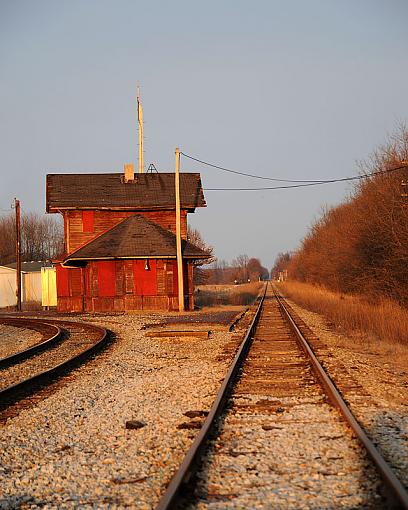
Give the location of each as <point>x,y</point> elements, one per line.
<point>120,243</point>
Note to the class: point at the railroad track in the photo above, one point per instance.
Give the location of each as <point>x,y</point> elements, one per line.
<point>279,434</point>
<point>51,335</point>
<point>64,346</point>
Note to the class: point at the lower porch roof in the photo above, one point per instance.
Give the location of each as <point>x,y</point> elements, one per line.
<point>134,238</point>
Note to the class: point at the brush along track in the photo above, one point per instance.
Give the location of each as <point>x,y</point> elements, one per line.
<point>283,442</point>
<point>77,343</point>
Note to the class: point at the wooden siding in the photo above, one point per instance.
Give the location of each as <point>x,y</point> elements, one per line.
<point>107,278</point>
<point>122,285</point>
<point>88,218</point>
<point>78,232</point>
<point>70,289</point>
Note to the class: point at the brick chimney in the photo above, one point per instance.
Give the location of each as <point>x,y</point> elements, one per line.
<point>129,169</point>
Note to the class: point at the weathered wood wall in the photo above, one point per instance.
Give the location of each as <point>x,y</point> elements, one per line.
<point>80,227</point>
<point>123,285</point>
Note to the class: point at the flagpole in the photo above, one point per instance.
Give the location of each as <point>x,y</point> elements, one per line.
<point>141,134</point>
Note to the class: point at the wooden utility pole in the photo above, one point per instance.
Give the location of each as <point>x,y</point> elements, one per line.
<point>178,236</point>
<point>18,252</point>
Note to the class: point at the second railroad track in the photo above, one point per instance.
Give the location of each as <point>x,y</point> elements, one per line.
<point>64,346</point>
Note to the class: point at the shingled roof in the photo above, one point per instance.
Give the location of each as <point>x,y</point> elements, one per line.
<point>134,237</point>
<point>110,191</point>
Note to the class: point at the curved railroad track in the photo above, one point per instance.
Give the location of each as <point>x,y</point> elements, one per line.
<point>64,346</point>
<point>51,334</point>
<point>277,395</point>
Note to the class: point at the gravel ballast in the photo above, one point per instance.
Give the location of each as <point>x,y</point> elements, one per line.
<point>114,433</point>
<point>74,450</point>
<point>13,339</point>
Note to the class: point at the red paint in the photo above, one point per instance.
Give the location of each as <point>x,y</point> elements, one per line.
<point>87,281</point>
<point>88,221</point>
<point>76,282</point>
<point>62,281</point>
<point>106,278</point>
<point>145,280</point>
<point>175,277</point>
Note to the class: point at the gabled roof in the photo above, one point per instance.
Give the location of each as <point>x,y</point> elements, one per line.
<point>134,237</point>
<point>110,191</point>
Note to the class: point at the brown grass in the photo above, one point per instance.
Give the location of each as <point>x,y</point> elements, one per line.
<point>384,321</point>
<point>221,295</point>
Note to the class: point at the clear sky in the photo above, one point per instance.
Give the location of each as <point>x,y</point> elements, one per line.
<point>296,89</point>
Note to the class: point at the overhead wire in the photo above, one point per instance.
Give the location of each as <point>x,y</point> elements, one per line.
<point>296,183</point>
<point>246,174</point>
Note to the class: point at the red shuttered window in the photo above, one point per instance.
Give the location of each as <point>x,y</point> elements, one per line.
<point>87,221</point>
<point>106,278</point>
<point>62,281</point>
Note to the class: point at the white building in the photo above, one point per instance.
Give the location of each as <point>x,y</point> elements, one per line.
<point>38,284</point>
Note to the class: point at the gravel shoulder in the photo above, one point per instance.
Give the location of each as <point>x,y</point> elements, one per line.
<point>72,450</point>
<point>382,371</point>
<point>13,339</point>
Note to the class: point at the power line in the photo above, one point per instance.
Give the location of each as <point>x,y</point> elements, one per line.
<point>300,183</point>
<point>246,174</point>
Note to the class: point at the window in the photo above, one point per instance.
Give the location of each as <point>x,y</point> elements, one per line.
<point>62,281</point>
<point>87,221</point>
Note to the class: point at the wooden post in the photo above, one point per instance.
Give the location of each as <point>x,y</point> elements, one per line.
<point>178,236</point>
<point>18,253</point>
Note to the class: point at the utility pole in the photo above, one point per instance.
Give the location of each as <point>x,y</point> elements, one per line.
<point>18,252</point>
<point>178,235</point>
<point>141,135</point>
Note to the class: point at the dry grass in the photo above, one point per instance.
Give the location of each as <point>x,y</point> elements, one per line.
<point>384,321</point>
<point>223,295</point>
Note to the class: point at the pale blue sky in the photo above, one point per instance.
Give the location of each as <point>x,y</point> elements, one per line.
<point>295,89</point>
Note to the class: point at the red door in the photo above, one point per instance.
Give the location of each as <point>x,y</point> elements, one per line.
<point>145,277</point>
<point>106,278</point>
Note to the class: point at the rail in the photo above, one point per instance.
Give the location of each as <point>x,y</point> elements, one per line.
<point>22,389</point>
<point>398,496</point>
<point>55,332</point>
<point>192,459</point>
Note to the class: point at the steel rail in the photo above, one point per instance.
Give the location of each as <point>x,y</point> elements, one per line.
<point>22,389</point>
<point>398,496</point>
<point>191,461</point>
<point>46,343</point>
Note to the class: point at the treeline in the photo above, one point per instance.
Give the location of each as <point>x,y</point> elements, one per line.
<point>361,246</point>
<point>42,237</point>
<point>241,270</point>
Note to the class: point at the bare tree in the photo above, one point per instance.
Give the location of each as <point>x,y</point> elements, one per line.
<point>281,263</point>
<point>361,245</point>
<point>194,236</point>
<point>7,239</point>
<point>241,264</point>
<point>41,237</point>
